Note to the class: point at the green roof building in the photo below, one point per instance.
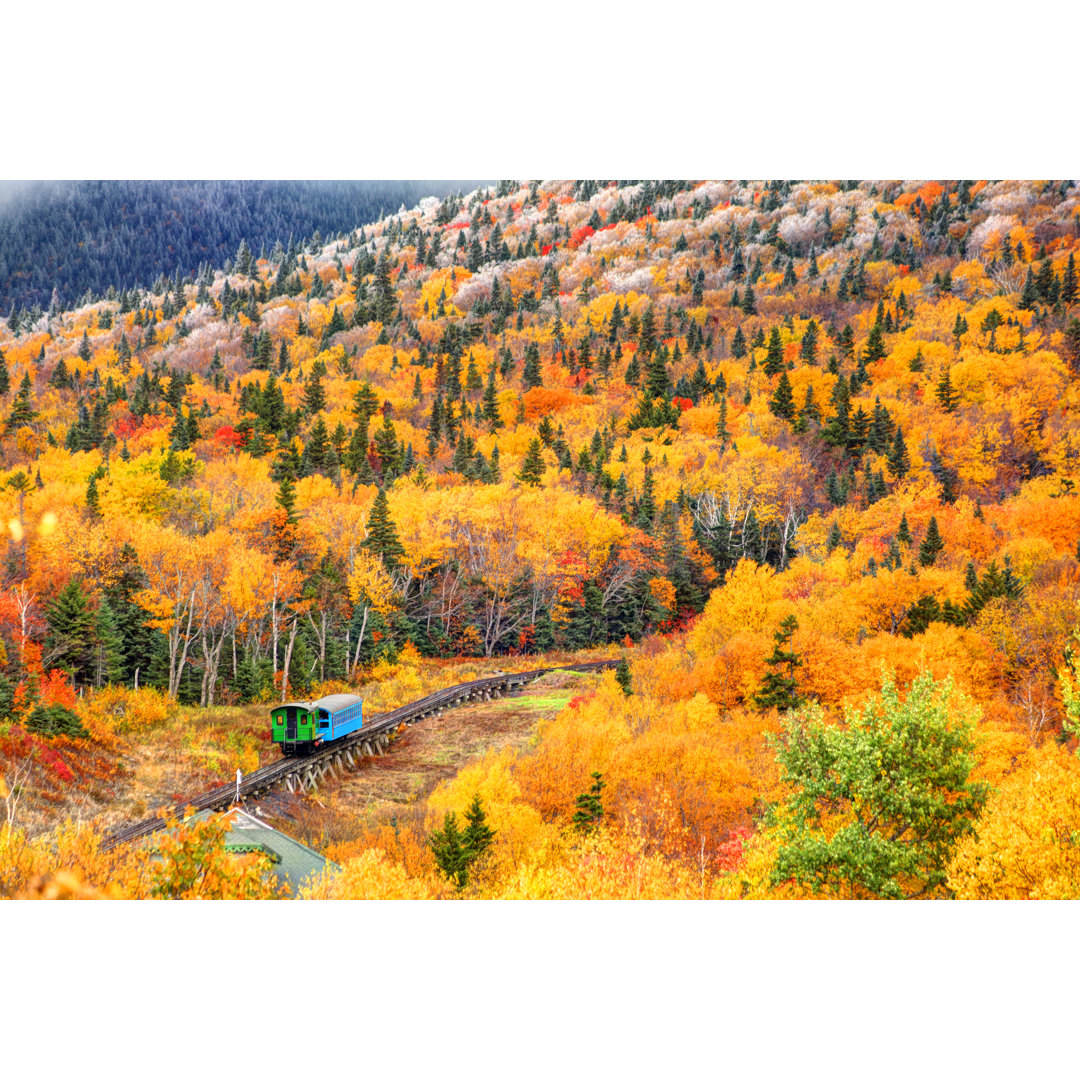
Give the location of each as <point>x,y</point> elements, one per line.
<point>292,862</point>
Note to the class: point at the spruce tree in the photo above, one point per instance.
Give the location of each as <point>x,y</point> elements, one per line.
<point>1069,289</point>
<point>875,345</point>
<point>738,343</point>
<point>590,809</point>
<point>646,507</point>
<point>722,432</point>
<point>22,408</point>
<point>1030,295</point>
<point>780,688</point>
<point>478,834</point>
<point>749,301</point>
<point>109,646</point>
<point>314,396</point>
<point>385,296</point>
<point>802,417</point>
<point>70,638</point>
<point>531,372</point>
<point>365,402</point>
<point>782,403</point>
<point>386,444</point>
<point>491,403</point>
<point>774,358</point>
<point>903,532</point>
<point>532,467</point>
<point>449,850</point>
<point>835,537</point>
<point>808,347</point>
<point>622,676</point>
<point>932,545</point>
<point>947,396</point>
<point>382,538</point>
<point>93,503</point>
<point>657,381</point>
<point>899,459</point>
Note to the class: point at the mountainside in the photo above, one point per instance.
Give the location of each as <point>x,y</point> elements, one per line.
<point>80,236</point>
<point>791,436</point>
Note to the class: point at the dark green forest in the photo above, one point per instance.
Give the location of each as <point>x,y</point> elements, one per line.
<point>84,236</point>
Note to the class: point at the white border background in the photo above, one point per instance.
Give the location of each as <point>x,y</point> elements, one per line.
<point>557,90</point>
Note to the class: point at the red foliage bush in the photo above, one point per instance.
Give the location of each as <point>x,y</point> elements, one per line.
<point>731,854</point>
<point>228,436</point>
<point>579,236</point>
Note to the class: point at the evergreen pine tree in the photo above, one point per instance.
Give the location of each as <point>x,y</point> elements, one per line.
<point>903,532</point>
<point>478,835</point>
<point>1029,296</point>
<point>749,301</point>
<point>314,396</point>
<point>780,688</point>
<point>590,809</point>
<point>70,638</point>
<point>835,537</point>
<point>109,651</point>
<point>1069,290</point>
<point>22,408</point>
<point>385,296</point>
<point>774,358</point>
<point>808,347</point>
<point>947,396</point>
<point>531,372</point>
<point>722,432</point>
<point>738,343</point>
<point>382,538</point>
<point>93,503</point>
<point>899,459</point>
<point>284,531</point>
<point>386,445</point>
<point>622,676</point>
<point>657,381</point>
<point>449,850</point>
<point>532,467</point>
<point>932,545</point>
<point>782,403</point>
<point>646,507</point>
<point>875,345</point>
<point>491,403</point>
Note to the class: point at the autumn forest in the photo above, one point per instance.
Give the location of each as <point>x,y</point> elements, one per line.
<point>803,457</point>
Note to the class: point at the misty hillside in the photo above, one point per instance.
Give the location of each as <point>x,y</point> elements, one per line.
<point>87,235</point>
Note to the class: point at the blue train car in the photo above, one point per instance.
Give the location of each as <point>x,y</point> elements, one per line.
<point>337,715</point>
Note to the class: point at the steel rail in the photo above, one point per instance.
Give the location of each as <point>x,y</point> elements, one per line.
<point>374,732</point>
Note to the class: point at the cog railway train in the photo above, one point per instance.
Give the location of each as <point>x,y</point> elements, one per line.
<point>300,726</point>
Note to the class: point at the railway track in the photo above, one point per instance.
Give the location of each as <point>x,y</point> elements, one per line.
<point>298,773</point>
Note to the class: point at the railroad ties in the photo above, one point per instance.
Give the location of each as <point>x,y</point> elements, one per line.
<point>307,773</point>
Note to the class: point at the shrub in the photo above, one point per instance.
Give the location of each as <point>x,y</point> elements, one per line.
<point>119,710</point>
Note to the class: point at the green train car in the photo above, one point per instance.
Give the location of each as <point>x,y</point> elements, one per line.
<point>300,726</point>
